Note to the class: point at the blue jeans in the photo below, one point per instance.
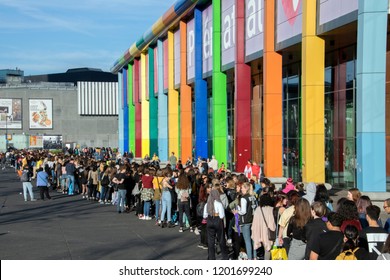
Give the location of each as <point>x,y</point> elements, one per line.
<point>157,206</point>
<point>70,184</point>
<point>121,198</point>
<point>147,208</point>
<point>27,186</point>
<point>166,201</point>
<point>105,193</point>
<point>246,233</point>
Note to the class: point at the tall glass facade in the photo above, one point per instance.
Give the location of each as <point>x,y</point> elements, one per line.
<point>340,117</point>
<point>292,121</point>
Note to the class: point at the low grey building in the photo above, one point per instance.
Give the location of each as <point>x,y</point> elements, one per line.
<point>58,114</point>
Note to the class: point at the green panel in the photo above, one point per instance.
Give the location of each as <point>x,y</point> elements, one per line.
<point>153,107</point>
<point>219,91</point>
<point>131,108</point>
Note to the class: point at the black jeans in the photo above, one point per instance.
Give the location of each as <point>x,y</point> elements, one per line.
<point>184,207</point>
<point>44,190</point>
<point>215,229</point>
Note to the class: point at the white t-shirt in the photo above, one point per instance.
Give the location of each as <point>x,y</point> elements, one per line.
<point>218,209</point>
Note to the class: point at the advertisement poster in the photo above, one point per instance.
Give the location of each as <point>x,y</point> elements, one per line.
<point>52,142</point>
<point>36,142</point>
<point>41,113</point>
<point>10,113</point>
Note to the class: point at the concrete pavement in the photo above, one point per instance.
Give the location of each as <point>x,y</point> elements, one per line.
<point>70,228</point>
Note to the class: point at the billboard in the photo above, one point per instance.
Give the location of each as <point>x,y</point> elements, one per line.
<point>254,28</point>
<point>207,22</point>
<point>190,51</point>
<point>41,113</point>
<point>10,113</point>
<point>36,142</point>
<point>336,13</point>
<point>288,23</point>
<point>52,142</point>
<point>228,34</point>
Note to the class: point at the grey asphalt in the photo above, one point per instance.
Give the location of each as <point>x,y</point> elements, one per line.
<point>70,228</point>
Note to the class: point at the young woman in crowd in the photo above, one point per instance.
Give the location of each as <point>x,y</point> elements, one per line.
<point>183,191</point>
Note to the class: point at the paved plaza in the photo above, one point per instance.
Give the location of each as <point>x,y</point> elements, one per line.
<point>70,228</point>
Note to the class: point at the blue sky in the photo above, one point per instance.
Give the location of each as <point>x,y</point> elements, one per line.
<point>51,36</point>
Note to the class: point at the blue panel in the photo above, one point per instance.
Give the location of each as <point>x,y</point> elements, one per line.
<point>370,95</point>
<point>371,162</point>
<point>162,107</point>
<point>372,28</point>
<point>201,108</point>
<point>369,6</point>
<point>120,113</point>
<point>370,112</point>
<point>125,113</point>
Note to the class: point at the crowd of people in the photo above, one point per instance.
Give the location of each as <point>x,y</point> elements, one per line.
<point>235,215</point>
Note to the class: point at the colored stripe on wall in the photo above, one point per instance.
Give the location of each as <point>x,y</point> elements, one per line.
<point>130,90</point>
<point>173,100</point>
<point>201,121</point>
<point>243,118</point>
<point>145,109</point>
<point>313,64</point>
<point>185,98</point>
<point>125,113</point>
<point>162,107</point>
<point>371,95</point>
<point>153,106</point>
<point>273,115</point>
<point>219,91</point>
<point>138,128</point>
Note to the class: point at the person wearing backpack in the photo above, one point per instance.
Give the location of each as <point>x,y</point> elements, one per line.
<point>351,250</point>
<point>25,178</point>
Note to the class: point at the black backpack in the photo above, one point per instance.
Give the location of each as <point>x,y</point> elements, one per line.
<point>105,181</point>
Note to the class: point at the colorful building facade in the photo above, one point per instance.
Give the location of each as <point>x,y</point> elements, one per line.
<point>299,86</point>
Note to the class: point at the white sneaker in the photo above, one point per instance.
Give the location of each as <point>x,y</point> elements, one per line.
<point>148,218</point>
<point>196,231</point>
<point>229,242</point>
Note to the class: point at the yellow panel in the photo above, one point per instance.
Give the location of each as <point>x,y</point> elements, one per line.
<point>313,159</point>
<point>173,101</point>
<point>145,136</point>
<point>313,64</point>
<point>313,56</point>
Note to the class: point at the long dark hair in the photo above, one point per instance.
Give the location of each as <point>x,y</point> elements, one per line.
<point>351,233</point>
<point>182,182</point>
<point>214,196</point>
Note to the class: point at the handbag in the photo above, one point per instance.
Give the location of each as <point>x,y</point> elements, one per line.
<point>279,253</point>
<point>271,233</point>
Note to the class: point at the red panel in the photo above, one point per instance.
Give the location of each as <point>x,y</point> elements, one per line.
<point>243,120</point>
<point>138,127</point>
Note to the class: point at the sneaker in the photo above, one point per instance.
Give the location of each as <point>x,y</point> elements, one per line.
<point>191,229</point>
<point>101,202</point>
<point>180,229</point>
<point>229,242</point>
<point>83,196</point>
<point>196,231</point>
<point>148,218</point>
<point>204,247</point>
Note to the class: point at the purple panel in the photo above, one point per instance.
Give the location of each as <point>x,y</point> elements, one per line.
<point>228,34</point>
<point>191,50</point>
<point>176,38</point>
<point>207,22</point>
<point>254,27</point>
<point>333,9</point>
<point>155,71</point>
<point>289,19</point>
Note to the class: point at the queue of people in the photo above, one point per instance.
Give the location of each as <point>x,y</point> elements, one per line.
<point>235,215</point>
